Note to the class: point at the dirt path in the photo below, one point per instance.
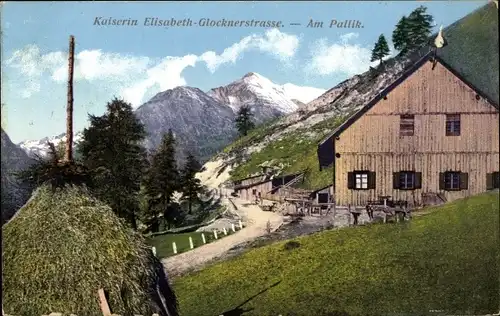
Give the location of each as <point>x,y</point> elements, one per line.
<point>256,225</point>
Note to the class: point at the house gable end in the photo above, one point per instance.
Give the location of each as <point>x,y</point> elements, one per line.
<point>327,144</point>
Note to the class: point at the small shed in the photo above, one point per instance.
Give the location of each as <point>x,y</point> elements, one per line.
<point>266,185</point>
<point>323,195</point>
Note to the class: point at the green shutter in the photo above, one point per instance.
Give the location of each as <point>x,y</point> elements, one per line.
<point>395,180</point>
<point>351,180</point>
<point>442,186</point>
<point>418,180</point>
<point>464,181</point>
<point>490,181</point>
<point>372,180</point>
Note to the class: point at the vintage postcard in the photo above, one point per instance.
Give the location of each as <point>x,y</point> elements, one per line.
<point>206,158</point>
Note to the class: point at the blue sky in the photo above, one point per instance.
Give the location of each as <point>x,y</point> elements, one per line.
<point>136,62</point>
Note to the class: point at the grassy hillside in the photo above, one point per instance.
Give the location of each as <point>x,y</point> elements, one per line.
<point>447,260</point>
<point>472,50</point>
<point>296,151</point>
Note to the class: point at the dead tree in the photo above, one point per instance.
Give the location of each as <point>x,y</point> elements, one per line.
<point>68,157</point>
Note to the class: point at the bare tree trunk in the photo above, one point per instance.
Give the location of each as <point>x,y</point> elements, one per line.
<point>69,109</point>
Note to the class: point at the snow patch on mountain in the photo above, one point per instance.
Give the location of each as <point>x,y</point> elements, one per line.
<point>254,87</point>
<point>41,148</point>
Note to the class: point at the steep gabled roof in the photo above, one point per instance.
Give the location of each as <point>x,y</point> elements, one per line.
<point>320,189</point>
<point>428,57</point>
<point>267,179</point>
<point>248,178</point>
<point>472,48</point>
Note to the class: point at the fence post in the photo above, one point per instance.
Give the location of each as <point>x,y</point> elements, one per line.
<point>232,228</point>
<point>104,303</point>
<point>241,224</point>
<point>215,233</point>
<point>174,247</point>
<point>225,231</point>
<point>191,242</point>
<point>203,238</point>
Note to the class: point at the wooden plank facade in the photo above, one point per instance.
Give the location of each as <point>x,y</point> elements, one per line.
<point>430,133</point>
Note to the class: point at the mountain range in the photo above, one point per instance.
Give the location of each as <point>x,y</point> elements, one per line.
<point>203,122</point>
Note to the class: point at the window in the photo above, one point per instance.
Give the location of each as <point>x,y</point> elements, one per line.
<point>453,125</point>
<point>254,191</point>
<point>407,180</point>
<point>406,125</point>
<point>493,181</point>
<point>453,181</point>
<point>361,180</point>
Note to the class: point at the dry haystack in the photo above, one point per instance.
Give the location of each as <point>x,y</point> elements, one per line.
<point>63,245</point>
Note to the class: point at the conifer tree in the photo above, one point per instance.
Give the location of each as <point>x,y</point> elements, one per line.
<point>112,150</point>
<point>400,35</point>
<point>244,120</point>
<point>412,32</point>
<point>419,27</point>
<point>162,181</point>
<point>191,186</point>
<point>380,50</point>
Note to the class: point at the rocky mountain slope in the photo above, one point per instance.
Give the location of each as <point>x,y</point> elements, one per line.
<point>203,122</point>
<point>39,147</point>
<point>200,123</point>
<point>291,142</point>
<point>14,194</point>
<point>267,98</point>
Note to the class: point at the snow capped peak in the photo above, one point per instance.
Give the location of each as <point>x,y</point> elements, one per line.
<point>40,147</point>
<point>250,74</point>
<point>254,87</point>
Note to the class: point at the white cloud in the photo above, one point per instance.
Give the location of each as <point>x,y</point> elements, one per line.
<point>133,76</point>
<point>280,45</point>
<point>340,57</point>
<point>166,75</point>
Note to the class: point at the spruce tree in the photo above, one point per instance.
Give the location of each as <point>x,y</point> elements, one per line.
<point>244,120</point>
<point>380,50</point>
<point>191,186</point>
<point>412,32</point>
<point>419,27</point>
<point>112,150</point>
<point>162,181</point>
<point>400,35</point>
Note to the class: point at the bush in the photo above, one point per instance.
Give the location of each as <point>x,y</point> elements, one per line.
<point>291,245</point>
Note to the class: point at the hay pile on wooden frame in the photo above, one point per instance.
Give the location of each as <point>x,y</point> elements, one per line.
<point>63,245</point>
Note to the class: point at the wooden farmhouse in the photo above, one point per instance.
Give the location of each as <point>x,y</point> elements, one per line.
<point>431,135</point>
<point>264,185</point>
